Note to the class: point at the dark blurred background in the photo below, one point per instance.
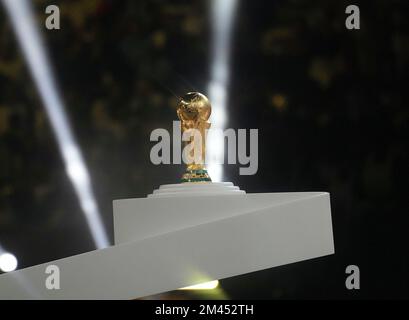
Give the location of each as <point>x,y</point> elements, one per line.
<point>331,106</point>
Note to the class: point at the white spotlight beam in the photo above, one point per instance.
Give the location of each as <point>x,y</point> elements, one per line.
<point>222,16</point>
<point>22,19</point>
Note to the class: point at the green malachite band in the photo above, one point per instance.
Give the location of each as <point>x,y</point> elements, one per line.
<point>196,180</point>
<point>197,171</point>
<point>199,175</point>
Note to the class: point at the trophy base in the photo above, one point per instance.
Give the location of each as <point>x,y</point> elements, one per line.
<point>196,175</point>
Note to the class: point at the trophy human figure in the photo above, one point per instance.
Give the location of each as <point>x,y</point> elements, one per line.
<point>194,110</point>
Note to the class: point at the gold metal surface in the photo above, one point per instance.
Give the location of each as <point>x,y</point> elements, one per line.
<point>194,110</point>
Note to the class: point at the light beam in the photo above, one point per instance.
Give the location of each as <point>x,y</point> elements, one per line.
<point>22,18</point>
<point>222,18</point>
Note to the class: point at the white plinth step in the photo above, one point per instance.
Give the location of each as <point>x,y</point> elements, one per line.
<point>196,188</point>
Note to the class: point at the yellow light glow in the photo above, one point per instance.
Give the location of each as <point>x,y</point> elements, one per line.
<point>203,286</point>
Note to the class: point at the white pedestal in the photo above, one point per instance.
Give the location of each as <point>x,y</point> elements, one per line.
<point>168,241</point>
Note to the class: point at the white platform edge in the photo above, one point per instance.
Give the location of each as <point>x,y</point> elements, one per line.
<point>215,250</point>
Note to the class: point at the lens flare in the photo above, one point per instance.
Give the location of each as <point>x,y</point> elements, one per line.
<point>8,262</point>
<point>210,285</point>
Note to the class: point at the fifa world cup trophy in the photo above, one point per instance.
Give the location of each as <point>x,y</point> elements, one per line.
<point>194,110</point>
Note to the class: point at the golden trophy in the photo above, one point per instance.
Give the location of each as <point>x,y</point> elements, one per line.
<point>194,110</point>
